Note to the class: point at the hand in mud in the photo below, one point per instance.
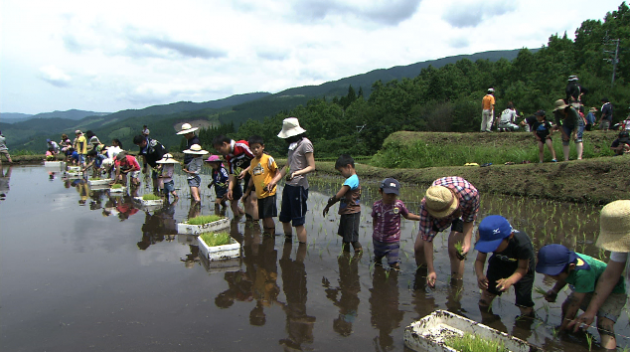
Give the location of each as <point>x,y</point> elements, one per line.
<point>551,296</point>
<point>326,210</point>
<point>584,321</point>
<point>482,282</point>
<point>503,285</point>
<point>431,278</point>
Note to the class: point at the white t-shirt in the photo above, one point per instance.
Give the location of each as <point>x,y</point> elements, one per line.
<point>508,116</point>
<point>620,257</point>
<point>113,151</point>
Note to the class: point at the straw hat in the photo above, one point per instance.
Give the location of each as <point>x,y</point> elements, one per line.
<point>167,159</point>
<point>593,109</point>
<point>560,105</point>
<point>121,155</point>
<point>195,149</point>
<point>440,201</point>
<point>187,128</point>
<point>290,127</point>
<point>614,227</point>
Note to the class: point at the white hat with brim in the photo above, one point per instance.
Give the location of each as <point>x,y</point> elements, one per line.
<point>290,127</point>
<point>560,105</point>
<point>167,159</point>
<point>440,202</point>
<point>187,128</point>
<point>614,227</point>
<point>195,149</point>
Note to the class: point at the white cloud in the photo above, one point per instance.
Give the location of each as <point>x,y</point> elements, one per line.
<point>471,14</point>
<point>55,76</point>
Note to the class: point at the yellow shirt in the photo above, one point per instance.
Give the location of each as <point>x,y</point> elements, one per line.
<point>81,145</point>
<point>263,170</point>
<point>488,102</point>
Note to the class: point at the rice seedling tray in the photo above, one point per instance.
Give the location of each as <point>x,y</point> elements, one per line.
<point>431,332</point>
<point>120,190</point>
<point>231,250</point>
<point>56,165</point>
<point>216,226</point>
<point>68,174</point>
<point>74,169</point>
<point>148,203</point>
<point>103,182</point>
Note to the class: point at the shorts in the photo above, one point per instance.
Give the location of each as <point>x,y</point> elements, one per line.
<point>391,250</point>
<point>569,132</point>
<point>220,191</point>
<point>349,227</point>
<point>267,207</point>
<point>523,288</point>
<point>195,181</point>
<point>134,174</point>
<point>293,207</point>
<point>604,125</point>
<point>612,307</point>
<point>237,191</point>
<point>580,131</point>
<point>169,187</point>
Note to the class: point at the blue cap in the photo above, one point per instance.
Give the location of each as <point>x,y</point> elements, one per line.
<point>48,141</point>
<point>553,258</point>
<point>493,230</point>
<point>390,185</point>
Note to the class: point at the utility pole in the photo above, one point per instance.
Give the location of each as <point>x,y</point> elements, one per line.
<point>614,59</point>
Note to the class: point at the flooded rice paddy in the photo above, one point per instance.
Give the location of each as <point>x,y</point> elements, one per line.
<point>81,269</point>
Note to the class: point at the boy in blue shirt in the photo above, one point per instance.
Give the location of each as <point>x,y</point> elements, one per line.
<point>349,208</point>
<point>581,272</point>
<point>512,263</point>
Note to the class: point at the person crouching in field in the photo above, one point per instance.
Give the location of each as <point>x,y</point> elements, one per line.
<point>127,164</point>
<point>350,207</point>
<point>220,179</point>
<point>386,220</point>
<point>512,263</point>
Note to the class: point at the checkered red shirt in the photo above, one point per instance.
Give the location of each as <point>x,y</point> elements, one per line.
<point>468,205</point>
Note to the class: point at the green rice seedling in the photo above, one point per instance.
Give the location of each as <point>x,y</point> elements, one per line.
<point>459,247</point>
<point>589,341</point>
<point>215,239</point>
<point>541,291</point>
<point>150,196</point>
<point>472,343</point>
<point>117,186</point>
<point>204,219</point>
<point>95,178</point>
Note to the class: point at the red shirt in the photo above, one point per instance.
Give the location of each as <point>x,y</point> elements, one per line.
<point>240,157</point>
<point>129,162</point>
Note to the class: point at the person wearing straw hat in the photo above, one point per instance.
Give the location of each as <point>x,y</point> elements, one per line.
<point>567,122</point>
<point>191,138</point>
<point>590,118</point>
<point>165,175</point>
<point>450,201</point>
<point>614,236</point>
<point>300,161</point>
<point>193,168</point>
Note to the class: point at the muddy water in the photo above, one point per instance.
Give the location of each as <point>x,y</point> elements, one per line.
<point>82,270</point>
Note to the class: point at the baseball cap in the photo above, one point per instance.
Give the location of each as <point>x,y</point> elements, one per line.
<point>540,113</point>
<point>553,258</point>
<point>390,185</point>
<point>493,229</point>
<point>48,141</point>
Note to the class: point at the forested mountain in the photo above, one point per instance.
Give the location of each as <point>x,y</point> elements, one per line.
<point>72,114</point>
<point>12,117</point>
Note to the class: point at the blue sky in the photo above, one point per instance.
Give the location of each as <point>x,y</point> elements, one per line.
<point>113,55</point>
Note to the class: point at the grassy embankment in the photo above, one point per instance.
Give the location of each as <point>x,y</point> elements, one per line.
<point>596,180</point>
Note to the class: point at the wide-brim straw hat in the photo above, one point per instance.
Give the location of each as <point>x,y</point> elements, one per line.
<point>187,128</point>
<point>614,227</point>
<point>290,127</point>
<point>440,202</point>
<point>195,149</point>
<point>560,105</point>
<point>167,159</point>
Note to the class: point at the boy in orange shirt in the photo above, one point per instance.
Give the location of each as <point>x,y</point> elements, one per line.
<point>262,170</point>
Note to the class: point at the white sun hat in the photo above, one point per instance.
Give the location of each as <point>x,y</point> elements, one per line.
<point>167,159</point>
<point>290,127</point>
<point>195,149</point>
<point>187,128</point>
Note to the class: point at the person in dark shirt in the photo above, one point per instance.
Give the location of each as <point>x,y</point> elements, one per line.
<point>513,263</point>
<point>567,122</point>
<point>574,91</point>
<point>605,119</point>
<point>542,131</point>
<point>191,138</point>
<point>621,145</point>
<point>151,151</point>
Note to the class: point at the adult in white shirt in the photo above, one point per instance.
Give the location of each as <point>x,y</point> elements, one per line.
<point>614,236</point>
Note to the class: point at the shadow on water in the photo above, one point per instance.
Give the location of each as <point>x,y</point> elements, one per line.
<point>109,276</point>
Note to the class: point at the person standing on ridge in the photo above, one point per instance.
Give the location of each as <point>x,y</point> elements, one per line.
<point>487,114</point>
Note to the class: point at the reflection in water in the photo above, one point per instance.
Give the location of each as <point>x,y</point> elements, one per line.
<point>299,325</point>
<point>159,226</point>
<point>384,306</point>
<point>4,182</point>
<point>453,299</point>
<point>423,299</point>
<point>125,208</point>
<point>265,288</point>
<point>82,188</point>
<point>349,287</point>
<point>239,289</point>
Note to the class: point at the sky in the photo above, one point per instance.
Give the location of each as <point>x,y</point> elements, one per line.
<point>112,55</point>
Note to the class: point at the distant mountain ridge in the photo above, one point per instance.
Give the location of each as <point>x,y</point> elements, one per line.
<point>72,114</point>
<point>12,117</point>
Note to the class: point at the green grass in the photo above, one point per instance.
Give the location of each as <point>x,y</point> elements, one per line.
<point>117,186</point>
<point>95,178</point>
<point>150,197</point>
<point>215,239</point>
<point>204,219</point>
<point>470,343</point>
